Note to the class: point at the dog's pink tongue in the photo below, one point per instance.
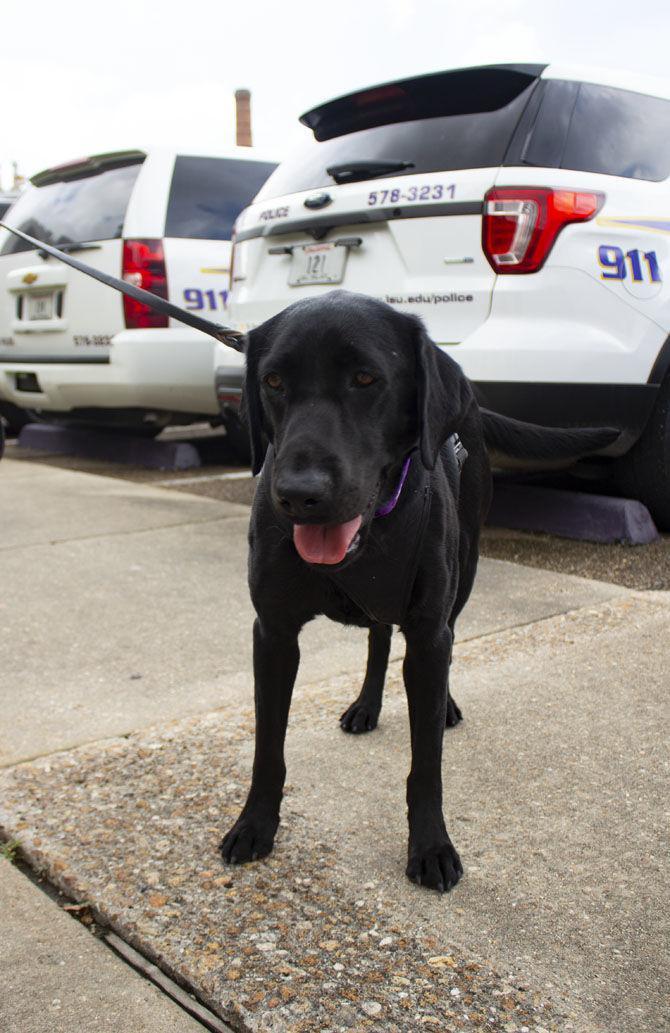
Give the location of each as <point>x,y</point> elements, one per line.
<point>325,543</point>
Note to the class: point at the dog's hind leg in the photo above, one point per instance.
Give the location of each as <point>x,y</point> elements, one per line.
<point>363,714</point>
<point>468,554</point>
<point>276,659</point>
<point>454,715</point>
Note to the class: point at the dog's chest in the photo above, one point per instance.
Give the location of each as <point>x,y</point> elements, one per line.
<point>342,609</point>
<point>376,588</point>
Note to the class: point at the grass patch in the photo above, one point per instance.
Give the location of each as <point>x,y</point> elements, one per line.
<point>10,849</point>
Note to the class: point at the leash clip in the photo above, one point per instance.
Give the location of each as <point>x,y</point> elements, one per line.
<point>460,451</point>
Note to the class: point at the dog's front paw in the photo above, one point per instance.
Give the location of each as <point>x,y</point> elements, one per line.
<point>436,867</point>
<point>249,839</point>
<point>359,717</point>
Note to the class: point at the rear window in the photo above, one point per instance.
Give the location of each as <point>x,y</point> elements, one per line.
<point>70,211</point>
<point>601,129</point>
<point>207,195</point>
<point>5,204</point>
<point>449,127</point>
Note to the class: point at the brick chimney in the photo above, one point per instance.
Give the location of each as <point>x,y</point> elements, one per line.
<point>243,118</point>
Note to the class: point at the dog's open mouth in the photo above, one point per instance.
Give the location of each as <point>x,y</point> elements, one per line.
<point>326,543</point>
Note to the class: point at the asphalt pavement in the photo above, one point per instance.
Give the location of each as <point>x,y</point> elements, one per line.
<point>126,746</point>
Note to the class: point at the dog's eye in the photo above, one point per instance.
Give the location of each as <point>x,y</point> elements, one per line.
<point>364,379</point>
<point>273,380</point>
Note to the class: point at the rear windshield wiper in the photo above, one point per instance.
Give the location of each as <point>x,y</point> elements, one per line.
<point>352,171</point>
<point>72,248</point>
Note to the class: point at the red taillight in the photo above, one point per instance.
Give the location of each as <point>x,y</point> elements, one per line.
<point>521,224</point>
<point>144,266</point>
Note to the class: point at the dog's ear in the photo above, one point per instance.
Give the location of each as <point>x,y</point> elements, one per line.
<point>252,407</point>
<point>444,394</point>
<point>256,345</point>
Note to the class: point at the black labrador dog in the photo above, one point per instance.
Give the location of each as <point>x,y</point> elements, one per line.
<point>368,510</point>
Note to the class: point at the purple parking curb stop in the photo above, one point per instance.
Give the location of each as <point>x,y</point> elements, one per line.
<point>572,514</point>
<point>113,447</point>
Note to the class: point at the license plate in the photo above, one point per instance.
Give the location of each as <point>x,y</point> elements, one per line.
<point>317,263</point>
<point>39,306</point>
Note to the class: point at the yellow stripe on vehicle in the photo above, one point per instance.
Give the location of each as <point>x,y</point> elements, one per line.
<point>653,225</point>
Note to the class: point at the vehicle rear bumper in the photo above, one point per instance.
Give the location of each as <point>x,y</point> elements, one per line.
<point>228,382</point>
<point>167,370</point>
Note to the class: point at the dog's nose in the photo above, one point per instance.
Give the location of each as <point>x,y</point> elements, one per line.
<point>302,494</point>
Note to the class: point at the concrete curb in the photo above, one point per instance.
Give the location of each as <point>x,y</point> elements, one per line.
<point>116,448</point>
<point>571,514</point>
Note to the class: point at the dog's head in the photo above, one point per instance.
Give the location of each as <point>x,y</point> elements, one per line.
<point>345,388</point>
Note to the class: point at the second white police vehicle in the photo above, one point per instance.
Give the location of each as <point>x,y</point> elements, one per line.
<point>523,211</point>
<point>76,351</point>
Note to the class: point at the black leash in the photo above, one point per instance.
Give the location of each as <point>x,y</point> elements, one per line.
<point>224,334</point>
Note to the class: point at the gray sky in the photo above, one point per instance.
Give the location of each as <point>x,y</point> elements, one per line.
<point>79,77</point>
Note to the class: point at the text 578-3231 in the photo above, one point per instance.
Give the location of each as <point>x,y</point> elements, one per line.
<point>428,192</point>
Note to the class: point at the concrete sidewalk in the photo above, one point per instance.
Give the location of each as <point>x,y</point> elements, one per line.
<point>57,977</point>
<point>125,605</point>
<point>124,613</point>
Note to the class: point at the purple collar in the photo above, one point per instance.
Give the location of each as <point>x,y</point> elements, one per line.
<point>389,506</point>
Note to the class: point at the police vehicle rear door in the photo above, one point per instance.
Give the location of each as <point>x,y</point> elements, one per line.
<point>387,200</point>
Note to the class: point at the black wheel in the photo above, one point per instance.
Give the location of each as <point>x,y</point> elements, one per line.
<point>644,473</point>
<point>2,439</point>
<point>13,418</point>
<point>237,437</point>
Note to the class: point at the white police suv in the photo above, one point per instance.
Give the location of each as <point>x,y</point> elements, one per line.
<point>74,350</point>
<point>523,211</point>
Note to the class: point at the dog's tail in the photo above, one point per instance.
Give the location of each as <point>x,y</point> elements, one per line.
<point>517,440</point>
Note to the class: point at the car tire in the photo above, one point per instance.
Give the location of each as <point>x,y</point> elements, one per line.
<point>237,437</point>
<point>14,419</point>
<point>644,473</point>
